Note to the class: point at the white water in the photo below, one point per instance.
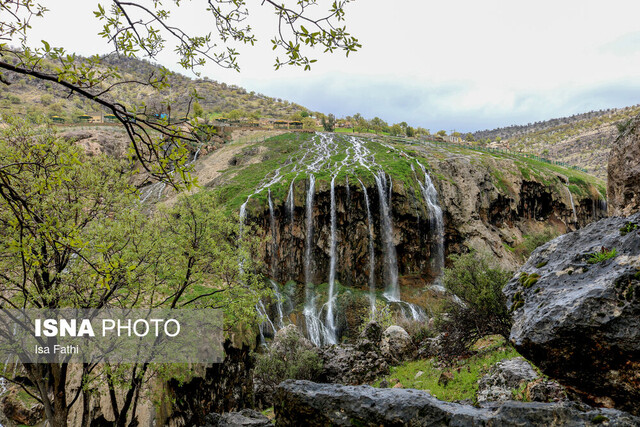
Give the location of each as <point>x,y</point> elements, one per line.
<point>436,220</point>
<point>290,203</point>
<point>279,301</point>
<point>372,261</point>
<point>573,205</point>
<point>331,327</point>
<point>274,241</point>
<point>392,292</point>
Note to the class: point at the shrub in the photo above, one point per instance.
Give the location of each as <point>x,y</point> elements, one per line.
<point>481,309</point>
<point>603,255</point>
<point>289,357</point>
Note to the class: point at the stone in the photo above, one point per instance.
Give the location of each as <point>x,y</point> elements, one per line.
<point>504,377</point>
<point>396,344</point>
<point>303,403</point>
<point>243,418</point>
<point>577,319</point>
<point>346,364</point>
<point>545,391</point>
<point>623,183</point>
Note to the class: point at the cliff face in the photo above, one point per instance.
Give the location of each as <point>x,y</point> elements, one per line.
<point>623,185</point>
<point>490,204</point>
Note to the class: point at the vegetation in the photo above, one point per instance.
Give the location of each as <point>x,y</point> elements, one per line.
<point>530,242</point>
<point>603,255</point>
<point>74,237</point>
<point>628,228</point>
<point>286,359</point>
<point>455,380</point>
<point>481,310</point>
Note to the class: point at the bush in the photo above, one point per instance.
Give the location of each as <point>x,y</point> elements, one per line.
<point>481,309</point>
<point>289,357</point>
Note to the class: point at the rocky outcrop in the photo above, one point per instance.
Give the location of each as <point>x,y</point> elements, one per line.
<point>623,184</point>
<point>396,344</point>
<point>576,308</point>
<point>222,387</point>
<point>244,418</point>
<point>505,376</point>
<point>305,403</point>
<point>356,364</point>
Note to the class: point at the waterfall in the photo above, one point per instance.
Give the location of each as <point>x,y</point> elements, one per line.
<point>312,321</point>
<point>279,298</point>
<point>262,312</point>
<point>331,327</point>
<point>436,220</point>
<point>274,243</point>
<point>573,205</point>
<point>372,261</point>
<point>392,292</point>
<point>290,203</point>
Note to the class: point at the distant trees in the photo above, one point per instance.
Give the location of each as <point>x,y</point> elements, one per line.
<point>469,137</point>
<point>329,123</point>
<point>442,133</point>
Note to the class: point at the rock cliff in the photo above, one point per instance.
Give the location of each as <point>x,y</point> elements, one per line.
<point>623,185</point>
<point>576,308</point>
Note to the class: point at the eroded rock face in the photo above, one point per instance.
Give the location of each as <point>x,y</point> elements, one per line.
<point>17,410</point>
<point>303,403</point>
<point>623,184</point>
<point>577,319</point>
<point>244,418</point>
<point>505,376</point>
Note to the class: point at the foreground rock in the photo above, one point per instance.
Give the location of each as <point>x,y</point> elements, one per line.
<point>356,364</point>
<point>244,418</point>
<point>505,376</point>
<point>305,403</point>
<point>623,184</point>
<point>577,319</point>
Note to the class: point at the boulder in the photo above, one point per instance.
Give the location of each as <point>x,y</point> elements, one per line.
<point>396,344</point>
<point>303,403</point>
<point>347,365</point>
<point>504,377</point>
<point>576,308</point>
<point>244,418</point>
<point>623,183</point>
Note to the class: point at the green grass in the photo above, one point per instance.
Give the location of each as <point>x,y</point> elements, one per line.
<point>603,255</point>
<point>466,373</point>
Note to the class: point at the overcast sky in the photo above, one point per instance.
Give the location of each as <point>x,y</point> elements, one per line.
<point>457,64</point>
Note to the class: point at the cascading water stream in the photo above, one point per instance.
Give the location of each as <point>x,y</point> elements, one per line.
<point>573,205</point>
<point>331,327</point>
<point>436,220</point>
<point>372,261</point>
<point>274,242</point>
<point>392,292</point>
<point>279,300</point>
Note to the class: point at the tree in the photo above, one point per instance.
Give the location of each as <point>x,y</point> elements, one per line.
<point>469,137</point>
<point>137,29</point>
<point>395,130</point>
<point>74,236</point>
<point>329,123</point>
<point>410,132</point>
<point>442,133</point>
<point>481,309</point>
<point>198,111</point>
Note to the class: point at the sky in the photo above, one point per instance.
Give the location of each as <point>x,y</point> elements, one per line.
<point>460,65</point>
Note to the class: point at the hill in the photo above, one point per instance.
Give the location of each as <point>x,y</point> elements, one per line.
<point>582,140</point>
<point>29,96</point>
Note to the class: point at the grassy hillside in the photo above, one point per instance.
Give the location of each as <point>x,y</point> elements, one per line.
<point>581,140</point>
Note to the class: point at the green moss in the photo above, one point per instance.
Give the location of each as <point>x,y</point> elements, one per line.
<point>599,419</point>
<point>541,264</point>
<point>628,228</point>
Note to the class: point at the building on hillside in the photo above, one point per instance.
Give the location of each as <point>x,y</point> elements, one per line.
<point>281,124</point>
<point>96,118</point>
<point>84,118</point>
<point>57,119</point>
<point>453,139</point>
<point>295,125</point>
<point>110,118</point>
